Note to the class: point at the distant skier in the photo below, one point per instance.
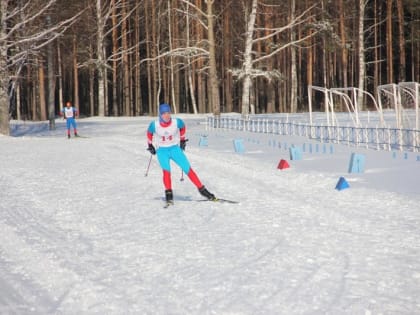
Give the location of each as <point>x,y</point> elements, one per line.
<point>171,142</point>
<point>69,113</point>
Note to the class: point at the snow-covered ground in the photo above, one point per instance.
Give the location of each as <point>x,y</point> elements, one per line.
<point>83,230</point>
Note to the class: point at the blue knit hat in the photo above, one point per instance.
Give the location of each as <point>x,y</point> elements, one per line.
<point>164,108</point>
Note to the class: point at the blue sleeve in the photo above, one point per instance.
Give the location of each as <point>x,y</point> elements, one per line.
<point>180,123</point>
<point>151,128</point>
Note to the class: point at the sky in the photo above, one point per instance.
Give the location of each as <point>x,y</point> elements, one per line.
<point>84,231</point>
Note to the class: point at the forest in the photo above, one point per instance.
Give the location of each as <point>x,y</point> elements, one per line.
<point>124,57</point>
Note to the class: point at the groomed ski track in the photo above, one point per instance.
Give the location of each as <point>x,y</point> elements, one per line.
<point>84,231</point>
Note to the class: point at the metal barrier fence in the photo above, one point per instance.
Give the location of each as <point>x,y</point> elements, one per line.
<point>377,138</point>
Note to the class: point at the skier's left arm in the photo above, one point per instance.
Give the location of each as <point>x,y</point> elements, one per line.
<point>182,131</point>
<point>182,128</point>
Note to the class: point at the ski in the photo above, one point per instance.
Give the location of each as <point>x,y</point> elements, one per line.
<point>221,200</point>
<point>75,137</point>
<point>168,204</point>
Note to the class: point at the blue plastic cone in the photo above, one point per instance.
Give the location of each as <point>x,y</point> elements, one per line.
<point>342,184</point>
<point>239,145</point>
<point>203,141</point>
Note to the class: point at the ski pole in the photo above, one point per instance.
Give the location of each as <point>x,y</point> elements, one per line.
<point>148,166</point>
<point>182,176</point>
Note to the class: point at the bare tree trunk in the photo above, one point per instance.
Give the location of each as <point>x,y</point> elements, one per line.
<point>100,59</point>
<point>293,69</point>
<point>41,79</point>
<point>376,52</point>
<point>158,73</point>
<point>51,83</point>
<point>18,103</point>
<point>200,83</point>
<point>389,54</point>
<point>155,64</point>
<point>309,64</point>
<point>415,52</point>
<point>214,82</point>
<point>114,97</point>
<point>165,73</point>
<point>137,57</point>
<point>269,84</point>
<point>401,40</point>
<point>324,56</point>
<point>125,59</point>
<point>4,78</point>
<point>178,75</point>
<point>361,52</point>
<point>227,61</point>
<point>91,70</point>
<point>171,59</point>
<point>149,63</point>
<point>247,81</point>
<point>270,98</point>
<point>189,68</point>
<point>75,76</point>
<point>344,50</point>
<point>34,96</point>
<point>201,90</point>
<point>60,77</point>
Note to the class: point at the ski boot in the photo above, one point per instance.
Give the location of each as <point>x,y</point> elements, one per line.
<point>169,197</point>
<point>204,192</point>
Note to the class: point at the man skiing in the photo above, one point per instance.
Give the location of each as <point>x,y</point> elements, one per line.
<point>69,113</point>
<point>171,142</point>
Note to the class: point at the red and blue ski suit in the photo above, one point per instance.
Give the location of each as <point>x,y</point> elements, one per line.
<point>168,136</point>
<point>69,113</point>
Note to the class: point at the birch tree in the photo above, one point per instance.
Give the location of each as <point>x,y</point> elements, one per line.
<point>206,20</point>
<point>214,84</point>
<point>188,59</point>
<point>102,15</point>
<point>106,11</point>
<point>293,72</point>
<point>4,73</point>
<point>246,72</point>
<point>361,50</point>
<point>51,82</point>
<point>389,39</point>
<point>250,69</point>
<point>401,41</point>
<point>344,49</point>
<point>191,51</point>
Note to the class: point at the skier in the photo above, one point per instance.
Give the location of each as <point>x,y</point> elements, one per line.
<point>171,142</point>
<point>69,114</point>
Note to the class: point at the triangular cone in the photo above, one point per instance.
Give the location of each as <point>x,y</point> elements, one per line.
<point>283,164</point>
<point>342,184</point>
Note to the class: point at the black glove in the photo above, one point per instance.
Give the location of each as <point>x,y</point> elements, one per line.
<point>183,144</point>
<point>151,149</point>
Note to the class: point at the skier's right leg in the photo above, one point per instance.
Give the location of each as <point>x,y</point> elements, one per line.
<point>74,127</point>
